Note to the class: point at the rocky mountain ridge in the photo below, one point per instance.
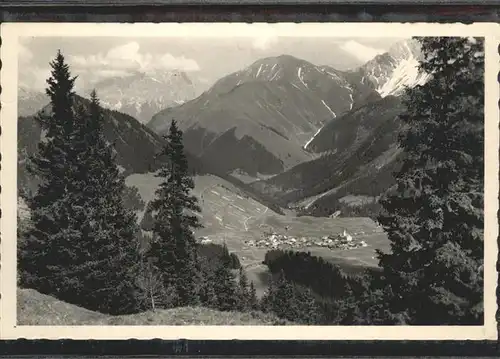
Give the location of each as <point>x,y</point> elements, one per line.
<point>258,120</point>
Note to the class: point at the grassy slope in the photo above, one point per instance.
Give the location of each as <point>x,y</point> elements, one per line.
<point>34,308</point>
<point>224,206</point>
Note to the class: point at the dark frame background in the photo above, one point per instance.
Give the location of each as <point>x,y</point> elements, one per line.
<point>250,11</point>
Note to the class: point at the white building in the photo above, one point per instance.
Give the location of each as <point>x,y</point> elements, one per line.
<point>347,236</point>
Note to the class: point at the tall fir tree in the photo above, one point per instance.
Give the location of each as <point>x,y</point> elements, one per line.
<point>225,286</point>
<point>115,263</point>
<point>253,300</point>
<point>307,307</point>
<point>208,297</point>
<point>285,303</point>
<point>281,298</point>
<point>243,291</point>
<point>434,274</point>
<point>81,247</point>
<point>44,255</point>
<point>174,245</point>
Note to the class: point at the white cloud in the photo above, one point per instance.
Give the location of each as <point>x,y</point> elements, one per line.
<point>24,54</point>
<point>128,57</point>
<point>170,61</point>
<point>360,51</point>
<point>264,42</point>
<point>33,77</point>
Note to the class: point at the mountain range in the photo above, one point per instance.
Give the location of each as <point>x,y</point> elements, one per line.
<point>260,119</point>
<point>288,131</point>
<point>357,153</point>
<point>138,95</point>
<point>141,95</point>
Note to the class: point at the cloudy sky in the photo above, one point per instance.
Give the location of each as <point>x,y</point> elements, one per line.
<point>204,60</point>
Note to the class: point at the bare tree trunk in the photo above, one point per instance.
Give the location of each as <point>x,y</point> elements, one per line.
<point>151,288</point>
<point>152,301</point>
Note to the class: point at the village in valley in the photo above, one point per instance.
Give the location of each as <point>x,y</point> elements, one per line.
<point>273,240</point>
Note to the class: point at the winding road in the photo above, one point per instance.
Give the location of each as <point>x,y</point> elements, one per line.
<point>259,216</point>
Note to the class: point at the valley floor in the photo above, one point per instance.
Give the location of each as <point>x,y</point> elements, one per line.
<point>229,216</point>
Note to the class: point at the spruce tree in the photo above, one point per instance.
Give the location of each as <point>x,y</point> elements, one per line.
<point>267,301</point>
<point>281,298</point>
<point>253,300</point>
<point>81,247</point>
<point>286,303</point>
<point>224,283</point>
<point>115,263</point>
<point>174,245</point>
<point>434,274</point>
<point>308,308</point>
<point>208,297</point>
<point>44,256</point>
<point>243,291</point>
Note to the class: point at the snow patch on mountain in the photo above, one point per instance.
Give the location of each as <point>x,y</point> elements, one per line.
<point>329,109</point>
<point>258,72</point>
<point>299,73</point>
<point>312,138</point>
<point>275,74</point>
<point>406,74</point>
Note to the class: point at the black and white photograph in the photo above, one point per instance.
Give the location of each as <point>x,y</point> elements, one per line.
<point>266,179</point>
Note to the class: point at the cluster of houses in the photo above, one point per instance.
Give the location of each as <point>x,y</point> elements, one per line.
<point>275,241</point>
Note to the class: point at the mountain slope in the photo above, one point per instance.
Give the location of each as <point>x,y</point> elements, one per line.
<point>136,148</point>
<point>258,119</point>
<point>224,205</point>
<point>346,133</point>
<point>358,148</point>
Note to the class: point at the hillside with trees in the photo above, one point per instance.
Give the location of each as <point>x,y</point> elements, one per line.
<point>83,245</point>
<point>433,274</point>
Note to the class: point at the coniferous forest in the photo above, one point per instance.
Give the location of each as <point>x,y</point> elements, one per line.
<point>85,245</point>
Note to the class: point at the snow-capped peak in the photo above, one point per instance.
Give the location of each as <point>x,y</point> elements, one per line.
<point>392,72</point>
